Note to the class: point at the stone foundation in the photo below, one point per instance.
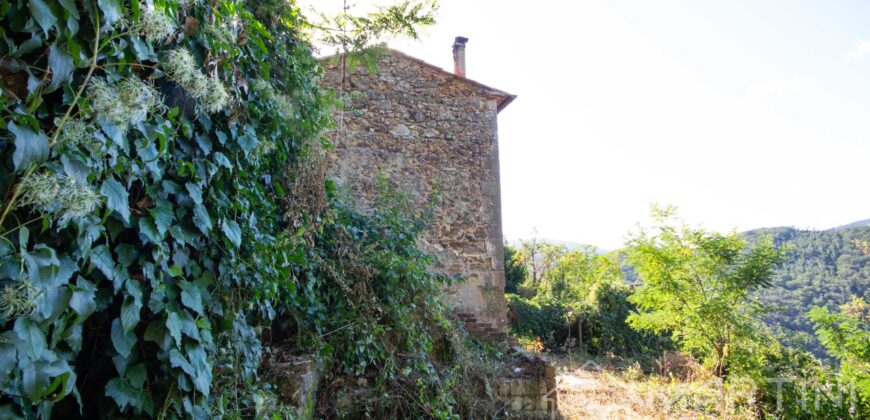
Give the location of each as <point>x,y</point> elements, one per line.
<point>529,391</point>
<point>296,379</point>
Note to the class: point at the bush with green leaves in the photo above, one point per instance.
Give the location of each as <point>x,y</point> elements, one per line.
<point>793,383</point>
<point>538,318</point>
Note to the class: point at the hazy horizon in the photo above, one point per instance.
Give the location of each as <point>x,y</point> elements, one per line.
<point>740,114</point>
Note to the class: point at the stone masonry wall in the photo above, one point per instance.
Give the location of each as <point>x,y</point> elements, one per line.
<point>428,130</point>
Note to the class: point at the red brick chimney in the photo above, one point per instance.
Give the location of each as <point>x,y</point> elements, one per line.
<point>459,56</point>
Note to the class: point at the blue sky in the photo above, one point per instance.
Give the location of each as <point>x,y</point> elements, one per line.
<point>743,113</point>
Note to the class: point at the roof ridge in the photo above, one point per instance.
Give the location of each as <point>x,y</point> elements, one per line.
<point>505,98</point>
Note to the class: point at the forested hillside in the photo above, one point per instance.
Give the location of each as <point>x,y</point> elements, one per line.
<point>824,268</point>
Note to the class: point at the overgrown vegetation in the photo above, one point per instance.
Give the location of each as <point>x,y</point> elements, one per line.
<point>579,302</point>
<point>166,223</point>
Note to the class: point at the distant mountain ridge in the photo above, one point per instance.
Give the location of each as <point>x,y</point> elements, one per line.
<point>567,244</point>
<point>865,222</point>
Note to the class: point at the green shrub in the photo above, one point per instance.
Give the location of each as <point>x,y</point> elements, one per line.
<point>538,318</point>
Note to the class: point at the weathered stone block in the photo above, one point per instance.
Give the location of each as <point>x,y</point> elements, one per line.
<point>296,379</point>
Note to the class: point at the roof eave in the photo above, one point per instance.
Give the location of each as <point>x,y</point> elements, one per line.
<point>504,98</point>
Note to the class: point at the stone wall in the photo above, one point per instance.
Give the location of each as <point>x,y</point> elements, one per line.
<point>428,130</point>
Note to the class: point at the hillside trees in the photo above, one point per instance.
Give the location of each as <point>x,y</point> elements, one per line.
<point>823,268</point>
<point>696,286</point>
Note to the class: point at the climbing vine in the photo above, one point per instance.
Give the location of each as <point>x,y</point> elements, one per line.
<point>143,145</point>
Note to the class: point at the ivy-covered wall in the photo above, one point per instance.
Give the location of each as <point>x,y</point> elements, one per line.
<point>144,149</point>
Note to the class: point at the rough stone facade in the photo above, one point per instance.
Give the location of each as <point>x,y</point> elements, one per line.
<point>430,130</point>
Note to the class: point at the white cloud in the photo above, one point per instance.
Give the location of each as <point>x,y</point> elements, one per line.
<point>859,50</point>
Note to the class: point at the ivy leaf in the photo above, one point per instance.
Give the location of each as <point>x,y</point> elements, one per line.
<point>232,231</point>
<point>82,301</point>
<point>8,361</point>
<point>43,14</point>
<point>67,268</point>
<point>32,337</point>
<point>137,375</point>
<point>201,218</point>
<point>42,264</point>
<point>111,10</point>
<point>199,359</point>
<point>248,143</point>
<point>195,192</point>
<point>101,257</point>
<point>173,324</point>
<point>34,379</point>
<point>61,65</point>
<point>122,392</point>
<point>222,160</point>
<point>122,341</point>
<point>70,6</point>
<point>147,228</point>
<point>53,302</point>
<point>130,313</point>
<point>117,197</point>
<point>177,360</point>
<point>127,254</point>
<point>191,297</point>
<point>155,332</point>
<point>189,326</point>
<point>163,217</point>
<point>30,147</point>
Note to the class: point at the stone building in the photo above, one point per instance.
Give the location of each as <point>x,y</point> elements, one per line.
<point>428,129</point>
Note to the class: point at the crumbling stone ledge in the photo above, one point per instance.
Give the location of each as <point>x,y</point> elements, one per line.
<point>529,389</point>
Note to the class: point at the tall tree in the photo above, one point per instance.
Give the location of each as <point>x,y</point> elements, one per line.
<point>696,286</point>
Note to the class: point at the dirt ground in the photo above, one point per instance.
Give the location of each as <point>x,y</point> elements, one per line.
<point>585,393</point>
<point>593,390</point>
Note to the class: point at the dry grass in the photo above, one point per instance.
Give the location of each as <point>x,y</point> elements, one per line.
<point>607,390</point>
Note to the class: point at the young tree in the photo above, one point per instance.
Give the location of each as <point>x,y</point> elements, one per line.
<point>696,285</point>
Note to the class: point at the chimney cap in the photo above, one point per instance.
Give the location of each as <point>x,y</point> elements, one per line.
<point>460,40</point>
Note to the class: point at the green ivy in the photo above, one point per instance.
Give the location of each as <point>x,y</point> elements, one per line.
<point>142,219</point>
